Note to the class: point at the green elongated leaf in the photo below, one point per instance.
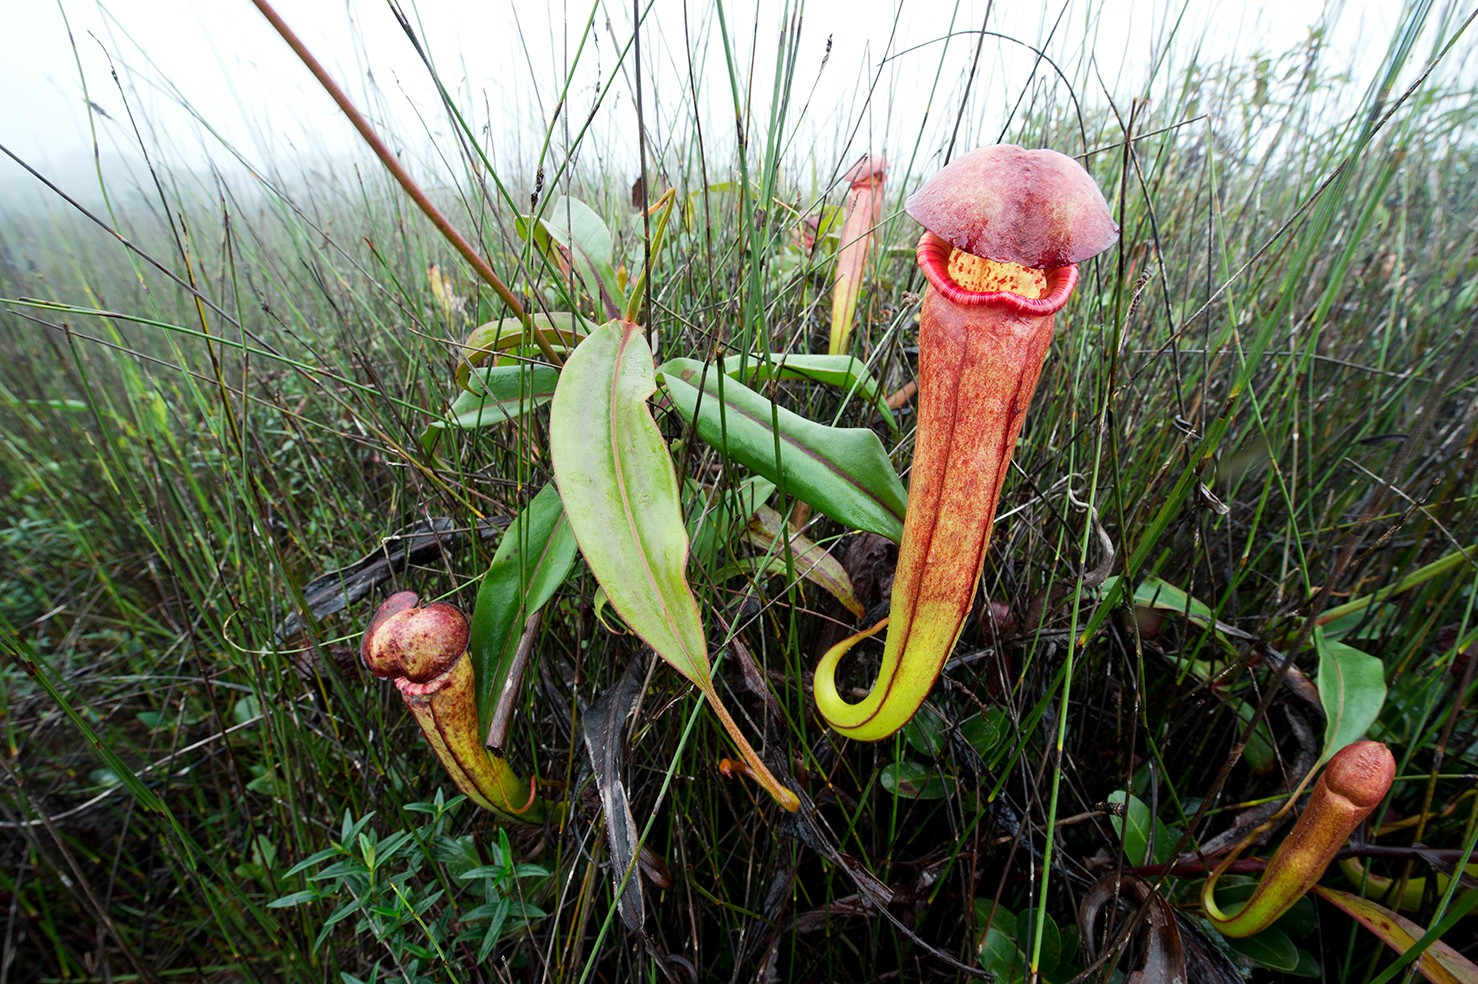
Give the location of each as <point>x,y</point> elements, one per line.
<point>1364,623</point>
<point>584,242</point>
<point>999,952</point>
<point>811,561</point>
<point>1301,920</point>
<point>1272,948</point>
<point>910,780</point>
<point>842,371</point>
<point>495,395</point>
<point>927,732</point>
<point>532,561</point>
<point>842,471</point>
<point>1259,753</point>
<point>295,898</point>
<point>1051,935</point>
<point>1308,965</point>
<point>72,406</point>
<point>637,293</point>
<point>1161,596</point>
<point>715,516</point>
<point>1135,827</point>
<point>829,222</point>
<point>1440,963</point>
<point>1153,592</point>
<point>1352,688</point>
<point>610,622</point>
<point>985,731</point>
<point>620,493</point>
<point>1000,955</point>
<point>988,913</point>
<point>563,329</point>
<point>621,496</point>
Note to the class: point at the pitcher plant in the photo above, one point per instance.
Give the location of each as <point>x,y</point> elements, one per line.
<point>1005,228</point>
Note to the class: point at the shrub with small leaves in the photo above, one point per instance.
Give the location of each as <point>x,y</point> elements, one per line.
<point>419,892</point>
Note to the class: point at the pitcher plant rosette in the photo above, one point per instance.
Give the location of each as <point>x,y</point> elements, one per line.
<point>1006,228</point>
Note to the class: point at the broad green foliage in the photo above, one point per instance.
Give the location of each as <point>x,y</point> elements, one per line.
<point>1271,948</point>
<point>842,471</point>
<point>1146,840</point>
<point>493,396</point>
<point>913,780</point>
<point>714,516</point>
<point>844,372</point>
<point>1352,688</point>
<point>533,559</point>
<point>1154,592</point>
<point>507,339</point>
<point>575,238</point>
<point>1006,944</point>
<point>620,493</point>
<point>985,731</point>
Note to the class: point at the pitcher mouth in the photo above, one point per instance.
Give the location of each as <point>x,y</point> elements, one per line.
<point>935,254</point>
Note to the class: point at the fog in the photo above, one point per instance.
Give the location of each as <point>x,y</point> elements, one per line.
<point>209,85</point>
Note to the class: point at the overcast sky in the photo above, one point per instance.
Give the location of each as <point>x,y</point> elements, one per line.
<point>506,63</point>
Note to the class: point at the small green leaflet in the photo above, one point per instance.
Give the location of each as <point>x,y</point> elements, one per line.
<point>1352,688</point>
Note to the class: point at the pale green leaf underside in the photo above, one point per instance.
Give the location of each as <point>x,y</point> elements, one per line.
<point>1352,688</point>
<point>620,493</point>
